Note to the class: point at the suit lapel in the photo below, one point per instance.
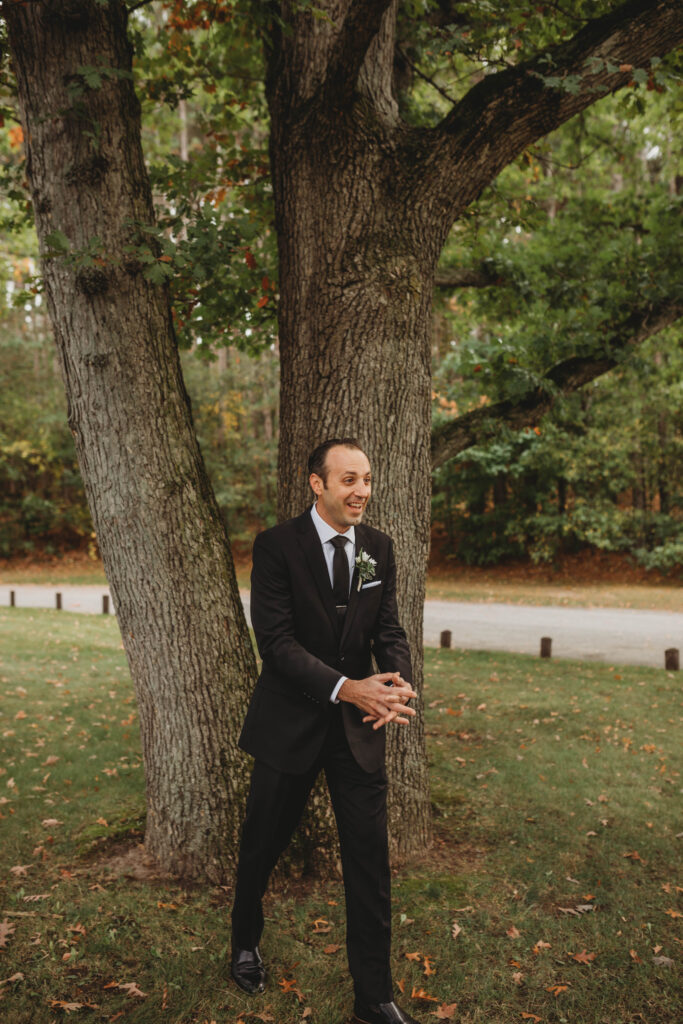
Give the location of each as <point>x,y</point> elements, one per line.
<point>313,551</point>
<point>354,596</point>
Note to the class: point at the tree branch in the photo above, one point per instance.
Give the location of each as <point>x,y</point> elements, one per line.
<point>361,25</point>
<point>506,112</point>
<point>569,375</point>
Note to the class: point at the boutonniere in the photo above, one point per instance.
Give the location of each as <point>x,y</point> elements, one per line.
<point>365,567</point>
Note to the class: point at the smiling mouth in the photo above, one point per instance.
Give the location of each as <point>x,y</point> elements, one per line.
<point>356,506</point>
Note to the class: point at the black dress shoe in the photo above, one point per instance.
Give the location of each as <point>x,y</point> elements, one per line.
<point>382,1013</point>
<point>248,970</point>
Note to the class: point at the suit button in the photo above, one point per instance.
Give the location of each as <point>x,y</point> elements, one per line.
<point>342,658</point>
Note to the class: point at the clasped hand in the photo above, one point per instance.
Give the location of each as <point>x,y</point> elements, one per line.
<point>381,702</point>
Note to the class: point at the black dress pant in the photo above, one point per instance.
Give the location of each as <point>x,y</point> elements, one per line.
<point>274,808</point>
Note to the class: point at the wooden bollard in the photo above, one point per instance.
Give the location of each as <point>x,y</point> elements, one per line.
<point>445,640</point>
<point>12,601</point>
<point>671,659</point>
<point>105,604</point>
<point>546,645</point>
<point>58,600</point>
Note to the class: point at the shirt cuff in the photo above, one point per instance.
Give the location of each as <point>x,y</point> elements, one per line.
<point>333,695</point>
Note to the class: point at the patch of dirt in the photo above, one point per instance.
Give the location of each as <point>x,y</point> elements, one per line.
<point>132,862</point>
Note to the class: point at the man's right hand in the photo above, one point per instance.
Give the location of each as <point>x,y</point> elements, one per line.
<point>381,703</point>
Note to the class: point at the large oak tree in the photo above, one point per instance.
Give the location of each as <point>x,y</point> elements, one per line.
<point>364,201</point>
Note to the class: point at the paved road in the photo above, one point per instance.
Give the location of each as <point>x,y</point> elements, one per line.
<point>617,635</point>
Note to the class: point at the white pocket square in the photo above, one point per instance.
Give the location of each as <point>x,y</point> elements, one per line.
<point>366,586</point>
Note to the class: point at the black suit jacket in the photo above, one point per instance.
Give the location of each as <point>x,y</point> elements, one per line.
<point>303,651</point>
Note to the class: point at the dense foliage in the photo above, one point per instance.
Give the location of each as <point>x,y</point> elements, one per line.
<point>570,240</point>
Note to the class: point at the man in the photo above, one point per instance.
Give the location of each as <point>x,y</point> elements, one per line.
<point>323,602</point>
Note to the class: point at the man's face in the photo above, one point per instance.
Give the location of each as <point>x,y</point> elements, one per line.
<point>343,496</point>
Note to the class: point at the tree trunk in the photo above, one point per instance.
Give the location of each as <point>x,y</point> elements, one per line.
<point>356,270</point>
<point>160,533</point>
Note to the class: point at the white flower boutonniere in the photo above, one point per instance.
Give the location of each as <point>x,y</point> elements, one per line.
<point>365,565</point>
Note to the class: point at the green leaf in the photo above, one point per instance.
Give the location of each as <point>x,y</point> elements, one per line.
<point>58,242</point>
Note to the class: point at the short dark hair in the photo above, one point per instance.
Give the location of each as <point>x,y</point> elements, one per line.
<point>317,460</point>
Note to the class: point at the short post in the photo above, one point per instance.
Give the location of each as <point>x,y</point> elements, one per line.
<point>445,640</point>
<point>546,645</point>
<point>671,659</point>
<point>105,604</point>
<point>58,600</point>
<point>12,601</point>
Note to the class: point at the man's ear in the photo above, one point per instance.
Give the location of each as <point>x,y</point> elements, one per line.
<point>316,483</point>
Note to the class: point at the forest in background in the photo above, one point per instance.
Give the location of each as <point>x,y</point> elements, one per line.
<point>564,238</point>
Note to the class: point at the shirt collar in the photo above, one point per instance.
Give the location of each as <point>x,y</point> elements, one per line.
<point>327,532</point>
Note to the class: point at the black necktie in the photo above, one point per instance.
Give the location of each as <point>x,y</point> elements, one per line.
<point>340,573</point>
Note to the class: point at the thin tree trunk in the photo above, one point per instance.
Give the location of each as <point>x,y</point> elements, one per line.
<point>159,530</point>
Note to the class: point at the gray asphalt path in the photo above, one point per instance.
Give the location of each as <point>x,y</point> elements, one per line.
<point>623,636</point>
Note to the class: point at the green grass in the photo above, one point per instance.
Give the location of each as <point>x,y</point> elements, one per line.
<point>555,785</point>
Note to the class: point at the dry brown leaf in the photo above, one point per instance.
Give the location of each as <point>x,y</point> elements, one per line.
<point>401,985</point>
<point>662,961</point>
<point>132,989</point>
<point>531,1016</point>
<point>321,925</point>
<point>513,932</point>
<point>308,1012</point>
<point>414,956</point>
<point>50,822</point>
<point>455,930</point>
<point>333,947</point>
<point>20,869</point>
<point>584,957</point>
<point>20,977</point>
<point>673,913</point>
<point>540,945</point>
<point>419,993</point>
<point>556,989</point>
<point>445,1011</point>
<point>634,956</point>
<point>518,978</point>
<point>428,967</point>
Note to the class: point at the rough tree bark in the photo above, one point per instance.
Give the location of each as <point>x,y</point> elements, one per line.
<point>363,206</point>
<point>162,540</point>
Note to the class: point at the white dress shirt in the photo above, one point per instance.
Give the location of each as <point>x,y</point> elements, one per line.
<point>326,534</point>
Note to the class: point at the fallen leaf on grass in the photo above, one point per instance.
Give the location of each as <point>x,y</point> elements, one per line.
<point>290,985</point>
<point>20,869</point>
<point>50,822</point>
<point>540,945</point>
<point>321,925</point>
<point>584,957</point>
<point>308,1012</point>
<point>445,1011</point>
<point>513,932</point>
<point>673,913</point>
<point>634,855</point>
<point>38,896</point>
<point>414,956</point>
<point>455,930</point>
<point>401,985</point>
<point>419,993</point>
<point>20,977</point>
<point>531,1016</point>
<point>518,978</point>
<point>6,930</point>
<point>60,1004</point>
<point>333,947</point>
<point>428,967</point>
<point>127,986</point>
<point>662,961</point>
<point>634,956</point>
<point>556,989</point>
<point>580,908</point>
